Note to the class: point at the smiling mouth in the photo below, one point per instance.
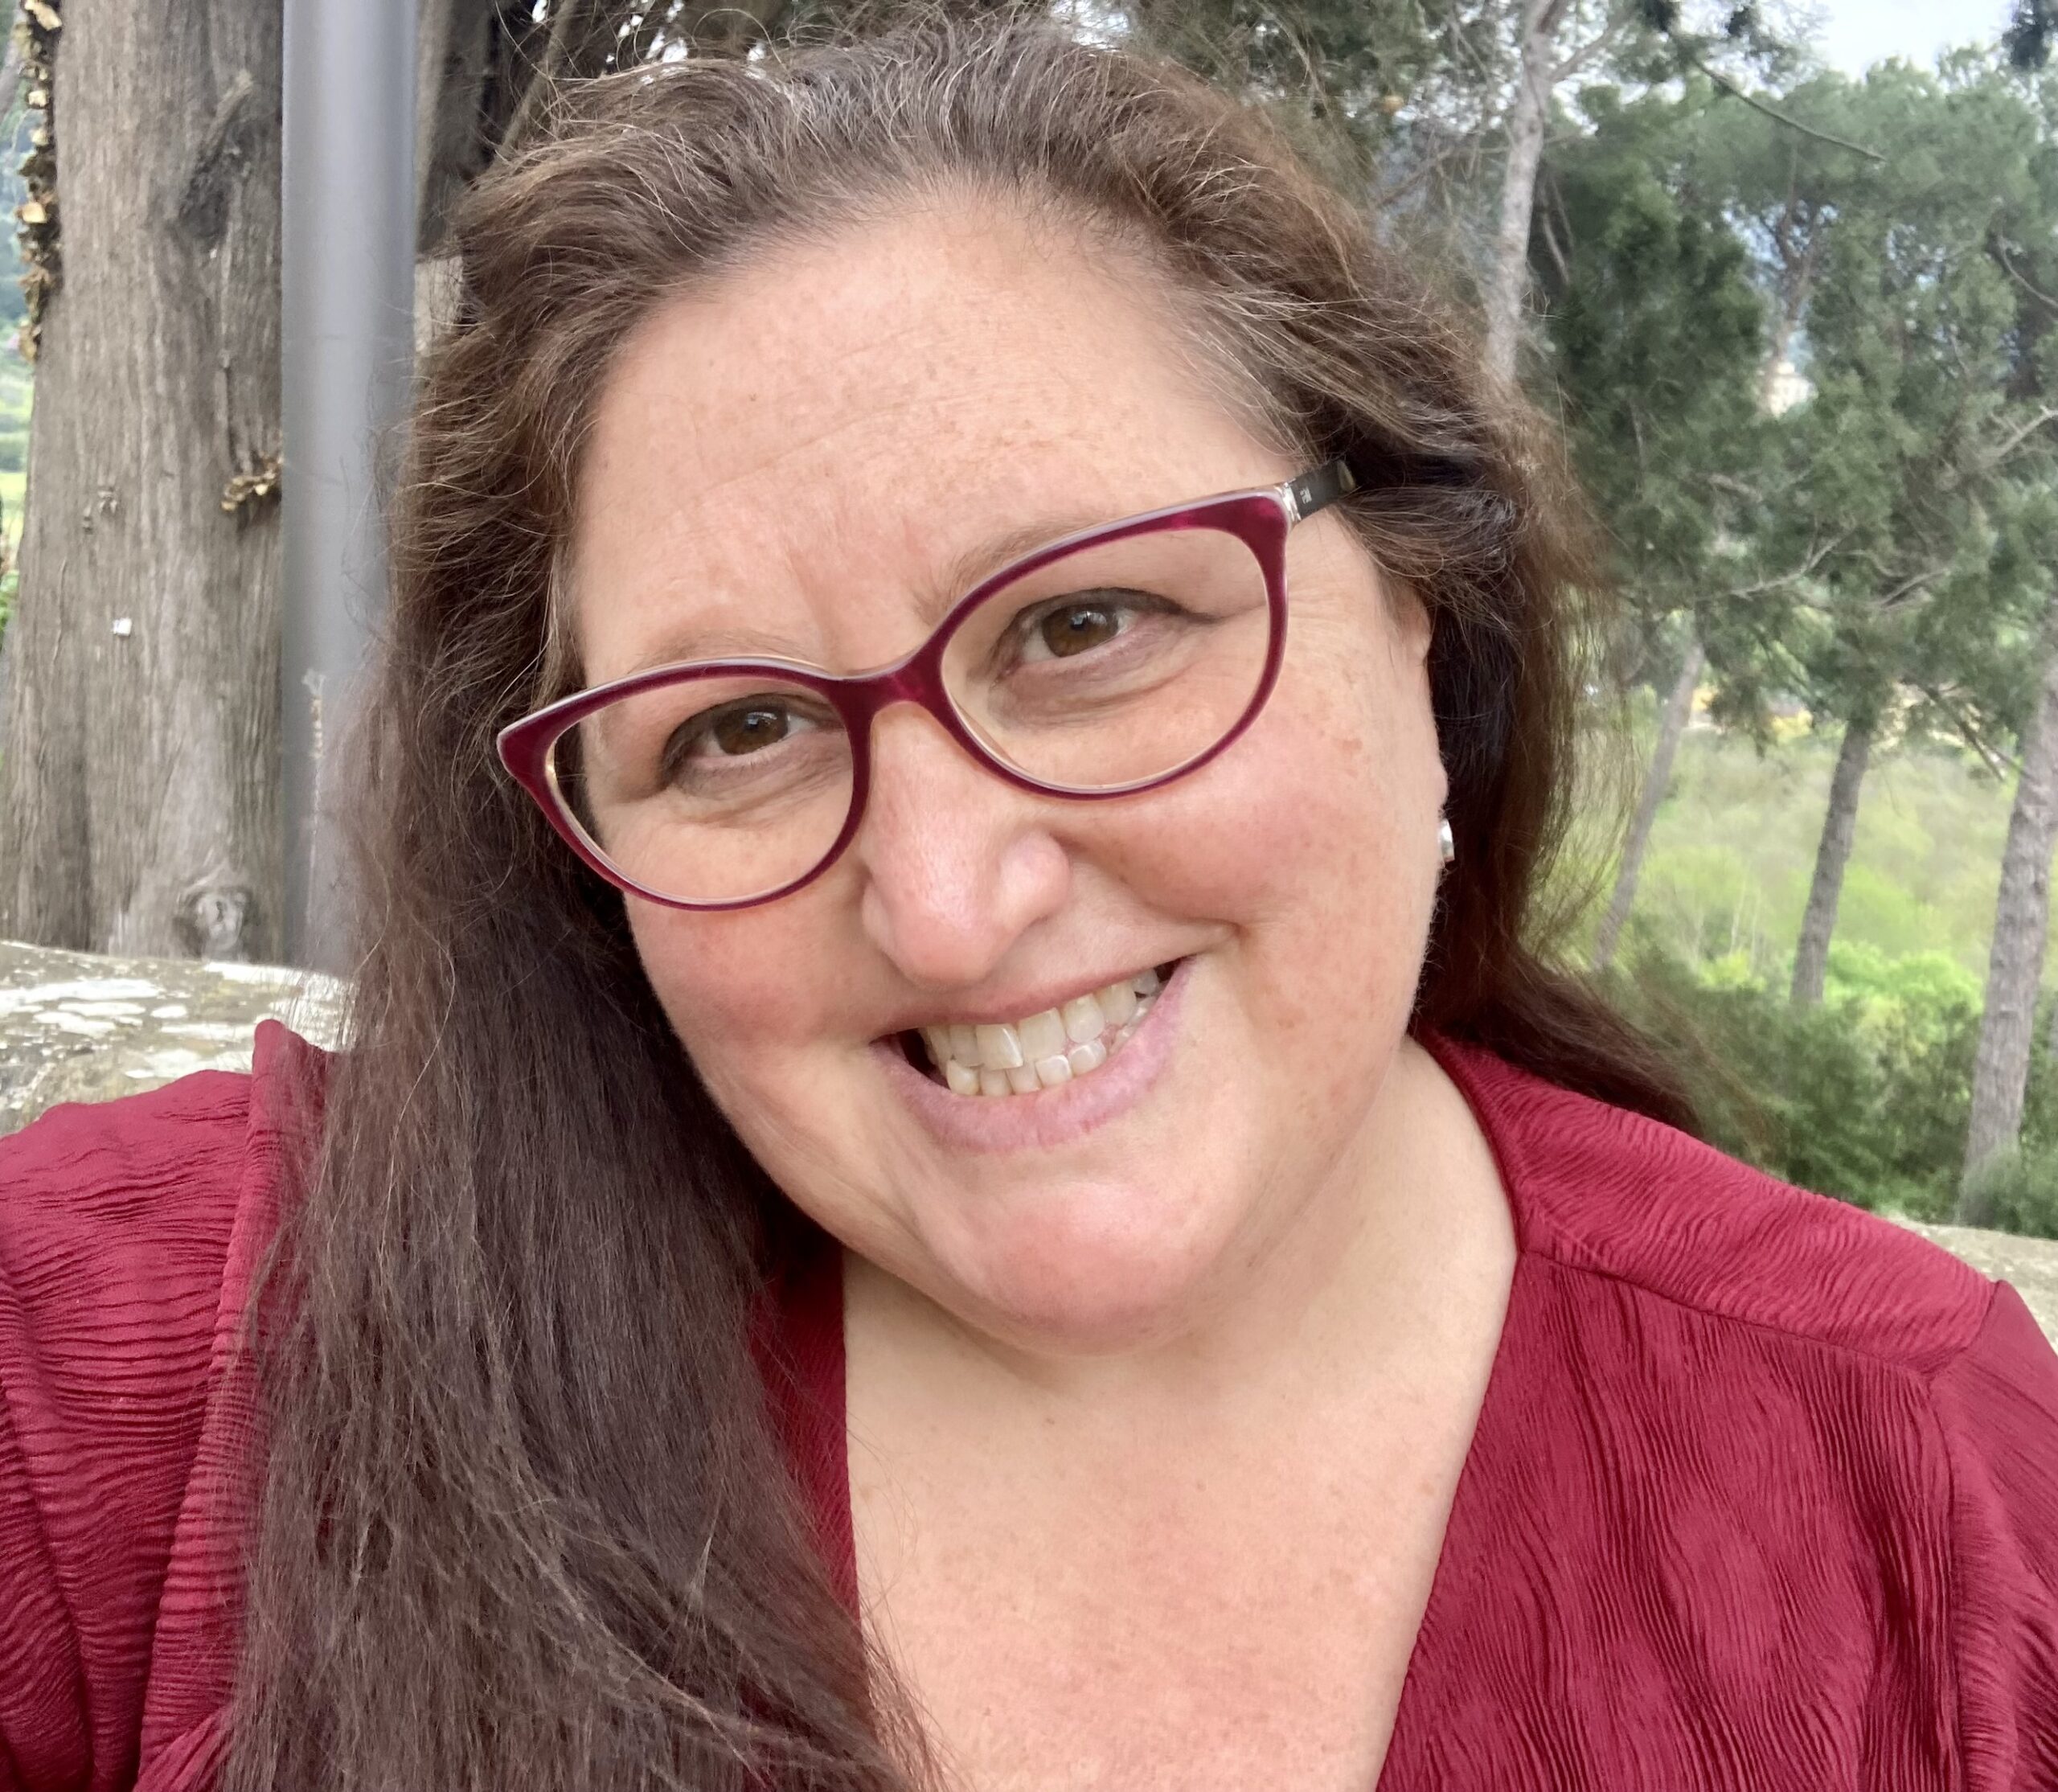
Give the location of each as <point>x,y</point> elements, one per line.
<point>1042,1050</point>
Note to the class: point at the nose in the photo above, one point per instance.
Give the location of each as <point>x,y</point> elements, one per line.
<point>958,863</point>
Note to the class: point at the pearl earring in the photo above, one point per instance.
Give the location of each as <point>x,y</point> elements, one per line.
<point>1445,845</point>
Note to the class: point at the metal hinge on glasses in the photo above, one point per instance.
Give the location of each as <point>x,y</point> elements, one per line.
<point>1306,495</point>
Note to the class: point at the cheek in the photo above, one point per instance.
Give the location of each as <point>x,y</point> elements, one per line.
<point>728,985</point>
<point>740,992</point>
<point>1343,793</point>
<point>1324,815</point>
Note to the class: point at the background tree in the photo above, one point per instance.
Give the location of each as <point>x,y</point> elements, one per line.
<point>1900,460</point>
<point>1555,42</point>
<point>1654,334</point>
<point>139,804</point>
<point>2024,244</point>
<point>2022,919</point>
<point>1447,105</point>
<point>140,807</point>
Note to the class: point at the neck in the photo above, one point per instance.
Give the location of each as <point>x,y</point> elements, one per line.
<point>1362,1282</point>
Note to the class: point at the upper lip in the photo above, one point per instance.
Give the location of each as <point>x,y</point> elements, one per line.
<point>1012,1005</point>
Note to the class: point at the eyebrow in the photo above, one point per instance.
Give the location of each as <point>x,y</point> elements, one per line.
<point>932,600</point>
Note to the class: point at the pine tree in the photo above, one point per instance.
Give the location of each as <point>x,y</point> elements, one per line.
<point>1901,475</point>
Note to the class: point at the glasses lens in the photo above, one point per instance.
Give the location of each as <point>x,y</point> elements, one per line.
<point>711,789</point>
<point>1117,663</point>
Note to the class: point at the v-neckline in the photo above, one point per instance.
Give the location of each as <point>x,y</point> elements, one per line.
<point>812,1410</point>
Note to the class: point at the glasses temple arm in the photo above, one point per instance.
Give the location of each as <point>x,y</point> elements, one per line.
<point>1314,491</point>
<point>1381,469</point>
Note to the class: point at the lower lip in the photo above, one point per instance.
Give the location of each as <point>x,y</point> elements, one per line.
<point>1051,1116</point>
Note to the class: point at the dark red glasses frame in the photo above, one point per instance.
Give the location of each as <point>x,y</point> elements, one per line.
<point>1260,518</point>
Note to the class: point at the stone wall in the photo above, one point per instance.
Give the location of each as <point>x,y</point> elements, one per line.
<point>78,1028</point>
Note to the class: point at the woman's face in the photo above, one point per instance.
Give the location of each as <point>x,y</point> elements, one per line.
<point>810,460</point>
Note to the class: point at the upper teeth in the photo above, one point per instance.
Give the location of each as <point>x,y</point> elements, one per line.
<point>1018,1057</point>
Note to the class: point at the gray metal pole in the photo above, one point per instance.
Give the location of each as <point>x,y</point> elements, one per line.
<point>348,343</point>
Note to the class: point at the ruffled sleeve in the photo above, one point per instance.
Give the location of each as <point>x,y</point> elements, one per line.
<point>116,1225</point>
<point>1996,1402</point>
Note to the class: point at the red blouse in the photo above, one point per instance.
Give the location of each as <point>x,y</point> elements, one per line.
<point>1763,1494</point>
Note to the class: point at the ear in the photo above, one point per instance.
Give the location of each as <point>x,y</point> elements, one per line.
<point>1413,628</point>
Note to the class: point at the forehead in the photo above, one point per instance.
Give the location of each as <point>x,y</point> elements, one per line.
<point>811,456</point>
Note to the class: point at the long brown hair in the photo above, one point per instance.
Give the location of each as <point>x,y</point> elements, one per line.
<point>522,1523</point>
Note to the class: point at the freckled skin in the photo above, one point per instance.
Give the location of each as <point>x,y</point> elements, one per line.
<point>1153,1433</point>
<point>803,451</point>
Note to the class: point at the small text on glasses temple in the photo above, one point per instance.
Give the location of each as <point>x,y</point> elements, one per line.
<point>1311,491</point>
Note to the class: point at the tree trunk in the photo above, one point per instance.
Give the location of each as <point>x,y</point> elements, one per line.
<point>139,791</point>
<point>1789,305</point>
<point>445,32</point>
<point>2022,917</point>
<point>1811,954</point>
<point>1671,724</point>
<point>1507,279</point>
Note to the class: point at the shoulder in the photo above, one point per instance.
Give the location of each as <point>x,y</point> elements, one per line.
<point>129,1233</point>
<point>124,1207</point>
<point>1934,1381</point>
<point>1599,1189</point>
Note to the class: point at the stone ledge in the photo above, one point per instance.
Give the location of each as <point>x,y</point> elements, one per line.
<point>77,1027</point>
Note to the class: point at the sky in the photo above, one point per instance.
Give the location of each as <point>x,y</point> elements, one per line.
<point>1855,34</point>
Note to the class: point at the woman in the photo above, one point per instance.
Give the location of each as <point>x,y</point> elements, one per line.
<point>1028,1219</point>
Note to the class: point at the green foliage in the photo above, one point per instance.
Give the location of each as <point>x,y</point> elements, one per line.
<point>1656,334</point>
<point>2018,1190</point>
<point>1915,483</point>
<point>1864,1098</point>
<point>1925,990</point>
<point>2028,38</point>
<point>1734,845</point>
<point>1407,101</point>
<point>1867,1097</point>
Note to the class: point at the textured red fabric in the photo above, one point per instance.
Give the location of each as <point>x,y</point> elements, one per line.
<point>1763,1497</point>
<point>129,1234</point>
<point>1763,1494</point>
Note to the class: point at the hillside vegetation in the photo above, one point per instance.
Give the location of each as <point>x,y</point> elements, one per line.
<point>1866,1097</point>
<point>1735,844</point>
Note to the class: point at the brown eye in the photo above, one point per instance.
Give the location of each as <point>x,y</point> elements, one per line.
<point>747,730</point>
<point>1076,628</point>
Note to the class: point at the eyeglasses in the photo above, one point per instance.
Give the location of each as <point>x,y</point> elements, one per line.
<point>1106,663</point>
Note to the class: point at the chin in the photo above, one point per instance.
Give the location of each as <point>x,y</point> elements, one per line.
<point>1082,1270</point>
